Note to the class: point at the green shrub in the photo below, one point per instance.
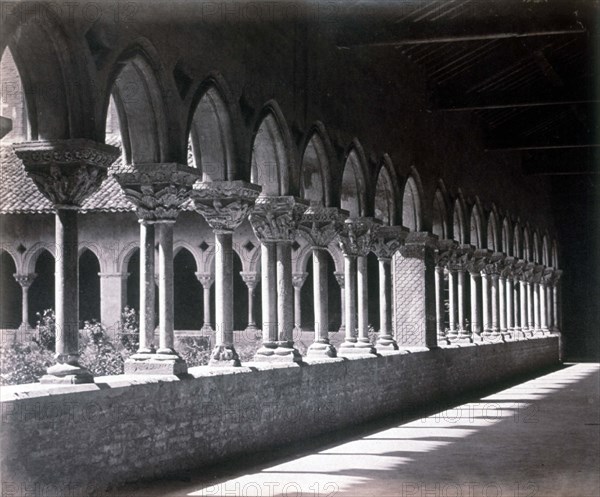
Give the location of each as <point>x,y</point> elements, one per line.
<point>23,363</point>
<point>45,330</point>
<point>129,330</point>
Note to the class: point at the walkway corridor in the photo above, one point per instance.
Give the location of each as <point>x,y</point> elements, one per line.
<point>539,438</point>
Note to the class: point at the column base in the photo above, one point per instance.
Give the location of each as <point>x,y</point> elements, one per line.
<point>224,356</point>
<point>161,363</point>
<point>276,352</point>
<point>321,349</point>
<point>463,337</point>
<point>492,336</point>
<point>386,342</point>
<point>359,347</point>
<point>69,374</point>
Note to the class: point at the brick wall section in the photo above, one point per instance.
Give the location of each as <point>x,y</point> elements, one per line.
<point>133,428</point>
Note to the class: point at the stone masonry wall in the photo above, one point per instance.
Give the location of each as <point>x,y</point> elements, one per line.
<point>126,428</point>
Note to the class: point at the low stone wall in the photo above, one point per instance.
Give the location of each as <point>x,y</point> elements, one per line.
<point>59,440</point>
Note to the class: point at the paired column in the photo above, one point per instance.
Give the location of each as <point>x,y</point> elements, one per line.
<point>340,279</point>
<point>206,280</point>
<point>224,205</point>
<point>158,192</point>
<point>251,280</point>
<point>321,346</point>
<point>298,280</point>
<point>25,280</point>
<point>452,331</point>
<point>66,172</point>
<point>475,281</point>
<point>502,305</point>
<point>356,241</point>
<point>275,221</point>
<point>485,304</point>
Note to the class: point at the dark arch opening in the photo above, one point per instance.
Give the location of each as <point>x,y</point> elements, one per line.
<point>41,292</point>
<point>89,287</point>
<point>187,292</point>
<point>240,295</point>
<point>10,293</point>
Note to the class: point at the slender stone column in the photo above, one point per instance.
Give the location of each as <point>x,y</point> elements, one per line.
<point>321,345</point>
<point>362,287</point>
<point>462,331</point>
<point>25,280</point>
<point>285,300</point>
<point>165,288</point>
<point>385,340</point>
<point>550,306</point>
<point>502,304</point>
<point>298,280</point>
<point>206,280</point>
<point>350,302</point>
<point>439,304</point>
<point>268,286</point>
<point>452,333</point>
<point>356,241</point>
<point>225,205</point>
<point>524,311</point>
<point>556,310</point>
<point>340,279</point>
<point>66,172</point>
<point>147,288</point>
<point>475,291</point>
<point>494,294</point>
<point>510,306</point>
<point>485,304</point>
<point>251,280</point>
<point>516,306</point>
<point>543,308</point>
<point>536,307</point>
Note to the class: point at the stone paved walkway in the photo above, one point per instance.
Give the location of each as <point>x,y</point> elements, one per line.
<point>540,438</point>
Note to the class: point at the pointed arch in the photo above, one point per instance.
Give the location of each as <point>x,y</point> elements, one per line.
<point>476,225</point>
<point>440,218</point>
<point>272,160</point>
<point>492,239</point>
<point>315,170</point>
<point>135,87</point>
<point>353,192</point>
<point>546,255</point>
<point>537,248</point>
<point>178,245</point>
<point>527,252</point>
<point>458,221</point>
<point>517,241</point>
<point>211,135</point>
<point>385,207</point>
<point>507,245</point>
<point>555,255</point>
<point>10,292</point>
<point>412,209</point>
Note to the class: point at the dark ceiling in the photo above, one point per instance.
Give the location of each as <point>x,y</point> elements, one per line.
<point>528,69</point>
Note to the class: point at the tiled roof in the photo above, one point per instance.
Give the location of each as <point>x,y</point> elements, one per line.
<point>19,195</point>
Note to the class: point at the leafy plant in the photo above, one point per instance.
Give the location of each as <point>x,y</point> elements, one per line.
<point>195,350</point>
<point>45,334</point>
<point>129,330</point>
<point>99,354</point>
<point>23,363</point>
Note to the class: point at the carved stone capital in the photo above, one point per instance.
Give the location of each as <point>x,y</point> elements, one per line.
<point>206,279</point>
<point>156,190</point>
<point>298,279</point>
<point>66,171</point>
<point>320,225</point>
<point>443,252</point>
<point>251,279</point>
<point>357,237</point>
<point>340,278</point>
<point>387,240</point>
<point>276,219</point>
<point>25,280</point>
<point>419,245</point>
<point>460,258</point>
<point>224,204</point>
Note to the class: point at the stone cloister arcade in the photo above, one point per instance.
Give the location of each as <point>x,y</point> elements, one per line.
<point>449,271</point>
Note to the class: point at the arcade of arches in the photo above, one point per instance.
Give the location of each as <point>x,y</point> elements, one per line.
<point>277,184</point>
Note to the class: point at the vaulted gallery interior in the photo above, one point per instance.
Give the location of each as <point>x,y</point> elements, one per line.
<point>355,206</point>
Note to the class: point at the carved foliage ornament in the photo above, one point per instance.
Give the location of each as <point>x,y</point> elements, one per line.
<point>66,171</point>
<point>224,204</point>
<point>320,225</point>
<point>358,235</point>
<point>276,219</point>
<point>157,190</point>
<point>387,240</point>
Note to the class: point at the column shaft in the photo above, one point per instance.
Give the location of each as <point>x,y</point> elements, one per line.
<point>251,320</point>
<point>147,287</point>
<point>524,324</point>
<point>384,297</point>
<point>25,307</point>
<point>485,303</point>
<point>543,307</point>
<point>461,301</point>
<point>285,298</point>
<point>206,305</point>
<point>224,288</point>
<point>321,301</point>
<point>502,303</point>
<point>165,287</point>
<point>350,299</point>
<point>475,323</point>
<point>536,306</point>
<point>297,307</point>
<point>362,299</point>
<point>439,302</point>
<point>269,292</point>
<point>494,302</point>
<point>452,303</point>
<point>66,289</point>
<point>510,305</point>
<point>530,306</point>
